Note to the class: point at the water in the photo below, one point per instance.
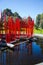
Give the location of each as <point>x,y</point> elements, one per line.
<point>24,54</point>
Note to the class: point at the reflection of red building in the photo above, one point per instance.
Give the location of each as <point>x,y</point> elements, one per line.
<point>29,46</point>
<point>12,28</point>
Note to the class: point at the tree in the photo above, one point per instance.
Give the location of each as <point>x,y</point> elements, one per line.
<point>7,12</point>
<point>42,25</point>
<point>16,15</point>
<point>41,21</point>
<point>38,20</point>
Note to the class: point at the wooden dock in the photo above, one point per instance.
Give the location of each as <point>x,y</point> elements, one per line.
<point>17,42</point>
<point>14,43</point>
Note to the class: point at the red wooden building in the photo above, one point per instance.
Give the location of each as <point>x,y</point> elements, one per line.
<point>15,29</point>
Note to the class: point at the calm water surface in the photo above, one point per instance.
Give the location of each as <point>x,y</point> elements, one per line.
<point>24,54</point>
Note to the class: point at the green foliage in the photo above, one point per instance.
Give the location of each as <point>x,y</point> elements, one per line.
<point>39,21</point>
<point>36,26</point>
<point>38,31</point>
<point>8,12</point>
<point>17,15</point>
<point>42,25</point>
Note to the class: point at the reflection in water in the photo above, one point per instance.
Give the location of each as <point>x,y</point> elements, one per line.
<point>3,58</point>
<point>36,49</point>
<point>24,54</point>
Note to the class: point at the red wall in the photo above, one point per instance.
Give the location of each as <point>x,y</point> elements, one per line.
<point>15,26</point>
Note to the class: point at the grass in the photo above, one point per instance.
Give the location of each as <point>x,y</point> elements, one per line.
<point>39,31</point>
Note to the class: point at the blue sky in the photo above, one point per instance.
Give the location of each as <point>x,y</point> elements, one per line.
<point>25,8</point>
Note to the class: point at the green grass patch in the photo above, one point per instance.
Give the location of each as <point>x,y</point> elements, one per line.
<point>39,31</point>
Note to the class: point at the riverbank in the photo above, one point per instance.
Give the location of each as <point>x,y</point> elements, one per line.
<point>38,35</point>
<point>39,64</point>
